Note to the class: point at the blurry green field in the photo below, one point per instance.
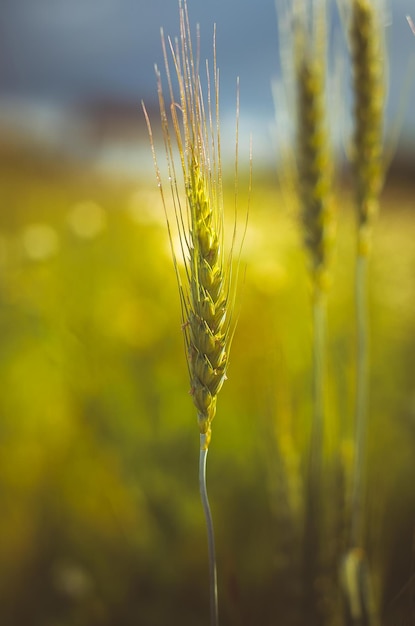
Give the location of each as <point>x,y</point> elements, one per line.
<point>100,518</point>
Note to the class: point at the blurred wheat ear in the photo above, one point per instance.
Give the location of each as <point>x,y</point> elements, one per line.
<point>206,272</point>
<point>314,169</point>
<point>368,65</point>
<point>367,50</point>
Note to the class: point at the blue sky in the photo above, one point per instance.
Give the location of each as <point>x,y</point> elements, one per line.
<point>69,50</point>
<point>73,48</point>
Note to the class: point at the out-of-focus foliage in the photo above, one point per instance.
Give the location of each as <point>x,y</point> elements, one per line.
<point>100,518</point>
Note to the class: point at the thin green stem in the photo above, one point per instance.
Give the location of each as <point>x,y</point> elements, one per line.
<point>319,322</point>
<point>313,504</point>
<point>362,366</point>
<point>356,572</point>
<point>213,582</point>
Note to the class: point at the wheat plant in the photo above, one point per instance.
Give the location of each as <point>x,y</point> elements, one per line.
<point>368,67</point>
<point>314,182</point>
<point>205,265</point>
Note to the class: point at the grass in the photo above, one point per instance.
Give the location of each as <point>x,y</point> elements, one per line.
<point>100,524</point>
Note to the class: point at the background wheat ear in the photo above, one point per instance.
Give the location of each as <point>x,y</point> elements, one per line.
<point>206,273</point>
<point>313,163</point>
<point>368,64</point>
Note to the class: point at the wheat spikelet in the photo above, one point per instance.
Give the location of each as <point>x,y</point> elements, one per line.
<point>206,285</point>
<point>207,332</point>
<point>369,93</point>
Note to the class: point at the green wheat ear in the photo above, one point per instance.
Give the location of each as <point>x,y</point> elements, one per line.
<point>367,51</point>
<point>206,285</point>
<point>313,159</point>
<point>206,272</point>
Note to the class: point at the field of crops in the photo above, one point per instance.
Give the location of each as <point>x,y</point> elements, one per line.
<point>101,523</point>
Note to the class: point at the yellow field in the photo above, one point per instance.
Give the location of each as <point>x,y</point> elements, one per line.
<point>101,522</point>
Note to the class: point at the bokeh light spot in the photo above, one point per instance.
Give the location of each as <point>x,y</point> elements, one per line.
<point>40,242</point>
<point>87,219</point>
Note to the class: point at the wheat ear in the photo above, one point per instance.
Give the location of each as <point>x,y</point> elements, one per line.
<point>314,179</point>
<point>369,96</point>
<point>206,282</point>
<point>313,156</point>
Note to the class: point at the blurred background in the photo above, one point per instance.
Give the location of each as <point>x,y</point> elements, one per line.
<point>101,523</point>
<point>72,75</point>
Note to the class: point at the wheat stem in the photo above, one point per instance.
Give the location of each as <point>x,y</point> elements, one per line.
<point>213,583</point>
<point>319,331</point>
<point>361,609</point>
<point>361,401</point>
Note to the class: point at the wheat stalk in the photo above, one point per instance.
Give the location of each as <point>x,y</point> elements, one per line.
<point>206,280</point>
<point>369,93</point>
<point>367,158</point>
<point>314,181</point>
